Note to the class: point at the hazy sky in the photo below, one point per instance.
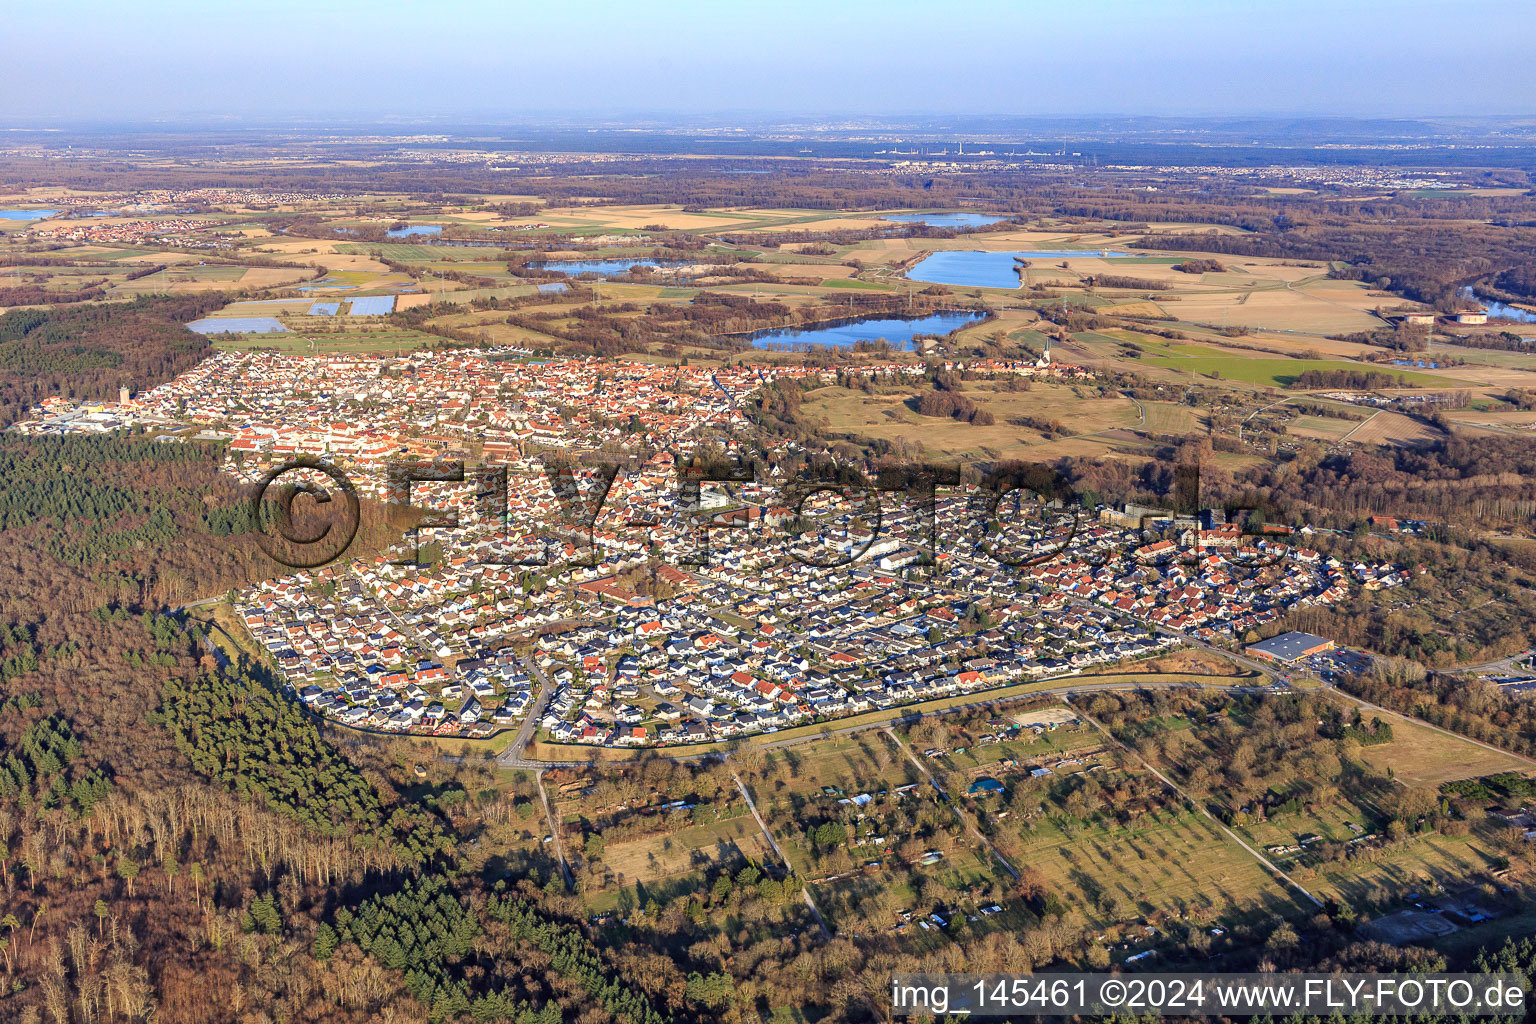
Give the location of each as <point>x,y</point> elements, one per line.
<point>165,59</point>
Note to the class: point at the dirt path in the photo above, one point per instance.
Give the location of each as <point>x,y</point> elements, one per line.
<point>554,830</point>
<point>965,819</point>
<point>773,844</point>
<point>1165,780</point>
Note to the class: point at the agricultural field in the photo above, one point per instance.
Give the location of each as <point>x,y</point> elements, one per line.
<point>1421,756</point>
<point>299,341</point>
<point>1391,428</point>
<point>1177,332</point>
<point>1216,363</point>
<point>1095,837</point>
<point>889,416</point>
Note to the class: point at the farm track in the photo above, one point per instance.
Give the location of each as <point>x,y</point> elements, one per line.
<point>965,819</point>
<point>773,844</point>
<point>554,831</point>
<point>1198,806</point>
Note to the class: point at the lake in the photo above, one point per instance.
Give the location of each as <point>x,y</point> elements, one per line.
<point>968,268</point>
<point>613,267</point>
<point>25,214</point>
<point>946,220</point>
<point>415,229</point>
<point>899,331</point>
<point>1502,310</point>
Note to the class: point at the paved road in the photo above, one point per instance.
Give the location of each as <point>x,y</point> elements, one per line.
<point>1501,665</point>
<point>512,757</point>
<point>1097,609</point>
<point>1197,805</point>
<point>1255,412</point>
<point>203,638</point>
<point>214,649</point>
<point>1260,667</point>
<point>1141,410</point>
<point>193,604</point>
<point>965,819</point>
<point>762,741</point>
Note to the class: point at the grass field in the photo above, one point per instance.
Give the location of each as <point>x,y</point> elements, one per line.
<point>1323,427</point>
<point>1391,428</point>
<point>960,768</point>
<point>887,416</point>
<point>1446,861</point>
<point>1173,418</point>
<point>1209,361</point>
<point>301,343</point>
<point>655,857</point>
<point>1420,756</point>
<point>1179,861</point>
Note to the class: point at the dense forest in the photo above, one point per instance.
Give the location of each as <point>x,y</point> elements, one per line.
<point>174,833</point>
<point>90,350</point>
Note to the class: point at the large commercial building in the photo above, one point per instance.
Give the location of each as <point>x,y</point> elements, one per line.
<point>1290,648</point>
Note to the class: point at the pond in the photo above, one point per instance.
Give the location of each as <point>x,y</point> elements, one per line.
<point>968,268</point>
<point>946,220</point>
<point>899,331</point>
<point>26,214</point>
<point>1501,310</point>
<point>415,229</point>
<point>613,267</point>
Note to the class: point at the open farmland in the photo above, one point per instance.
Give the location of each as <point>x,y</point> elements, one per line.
<point>890,417</point>
<point>1245,367</point>
<point>1421,756</point>
<point>1391,428</point>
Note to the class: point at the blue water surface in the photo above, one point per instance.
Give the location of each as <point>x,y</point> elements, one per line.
<point>946,220</point>
<point>844,333</point>
<point>415,229</point>
<point>969,268</point>
<point>613,267</point>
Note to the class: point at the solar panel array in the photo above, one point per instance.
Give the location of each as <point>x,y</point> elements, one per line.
<point>238,325</point>
<point>373,305</point>
<point>324,309</point>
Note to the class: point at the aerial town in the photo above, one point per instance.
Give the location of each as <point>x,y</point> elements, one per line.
<point>676,514</point>
<point>662,617</point>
